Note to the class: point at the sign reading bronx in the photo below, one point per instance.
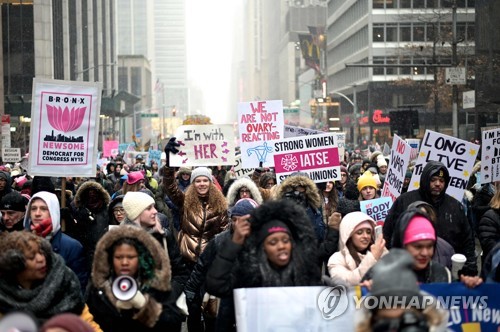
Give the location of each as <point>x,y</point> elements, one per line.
<point>315,155</point>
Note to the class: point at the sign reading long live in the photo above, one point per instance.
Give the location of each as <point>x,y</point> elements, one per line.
<point>316,155</point>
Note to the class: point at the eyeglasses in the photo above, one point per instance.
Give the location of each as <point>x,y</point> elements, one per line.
<point>344,175</point>
<point>297,188</point>
<point>119,211</point>
<point>244,191</point>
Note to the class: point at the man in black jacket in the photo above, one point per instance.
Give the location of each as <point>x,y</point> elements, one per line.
<point>452,224</point>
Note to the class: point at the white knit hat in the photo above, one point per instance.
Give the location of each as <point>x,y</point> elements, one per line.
<point>135,202</point>
<point>201,171</point>
<point>381,161</point>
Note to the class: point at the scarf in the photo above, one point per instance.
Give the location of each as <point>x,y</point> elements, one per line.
<point>59,292</point>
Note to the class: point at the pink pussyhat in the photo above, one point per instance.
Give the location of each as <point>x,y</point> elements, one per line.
<point>419,228</point>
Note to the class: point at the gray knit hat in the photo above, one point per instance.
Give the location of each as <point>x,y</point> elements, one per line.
<point>201,171</point>
<point>135,202</point>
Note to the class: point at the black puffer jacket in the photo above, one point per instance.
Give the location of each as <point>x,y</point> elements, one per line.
<point>489,230</point>
<point>452,224</point>
<point>237,266</point>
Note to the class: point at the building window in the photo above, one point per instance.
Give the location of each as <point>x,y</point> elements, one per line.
<point>404,3</point>
<point>378,3</point>
<point>391,4</point>
<point>378,70</point>
<point>136,81</point>
<point>418,3</point>
<point>122,79</point>
<point>378,33</point>
<point>405,70</point>
<point>405,31</point>
<point>432,3</point>
<point>391,70</point>
<point>391,33</point>
<point>418,32</point>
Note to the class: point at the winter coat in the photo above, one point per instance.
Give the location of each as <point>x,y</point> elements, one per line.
<point>59,292</point>
<point>489,230</point>
<point>89,225</point>
<point>341,265</point>
<point>69,248</point>
<point>246,266</point>
<point>452,224</point>
<point>481,200</point>
<point>159,313</point>
<point>491,265</point>
<point>233,192</point>
<point>201,217</point>
<point>313,201</point>
<point>180,273</point>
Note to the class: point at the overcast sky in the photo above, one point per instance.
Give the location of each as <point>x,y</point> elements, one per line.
<point>209,66</point>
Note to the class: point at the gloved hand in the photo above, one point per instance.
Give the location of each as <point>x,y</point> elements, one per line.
<point>137,302</point>
<point>171,146</point>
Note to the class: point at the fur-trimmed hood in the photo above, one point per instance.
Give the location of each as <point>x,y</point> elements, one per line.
<point>79,200</point>
<point>311,192</point>
<point>232,193</point>
<point>304,252</point>
<point>101,269</point>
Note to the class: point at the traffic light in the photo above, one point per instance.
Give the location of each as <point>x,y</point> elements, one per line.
<point>404,123</point>
<point>333,115</point>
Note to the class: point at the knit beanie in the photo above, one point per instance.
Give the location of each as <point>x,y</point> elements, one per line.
<point>243,207</point>
<point>184,170</point>
<point>201,171</point>
<point>134,177</point>
<point>68,322</point>
<point>271,227</point>
<point>381,161</point>
<point>13,201</point>
<point>367,180</point>
<point>393,275</point>
<point>419,228</point>
<point>135,202</point>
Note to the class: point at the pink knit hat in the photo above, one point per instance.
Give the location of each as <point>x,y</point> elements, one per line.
<point>134,177</point>
<point>419,228</point>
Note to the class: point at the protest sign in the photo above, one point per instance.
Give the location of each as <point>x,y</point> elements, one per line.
<point>315,155</point>
<point>11,155</point>
<point>457,155</point>
<point>415,146</point>
<point>291,131</point>
<point>64,122</point>
<point>239,170</point>
<point>154,155</point>
<point>110,148</point>
<point>376,208</point>
<point>204,145</point>
<point>259,123</point>
<point>490,156</point>
<point>294,309</point>
<point>398,163</point>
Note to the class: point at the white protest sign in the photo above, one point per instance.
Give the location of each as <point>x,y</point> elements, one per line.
<point>65,125</point>
<point>376,208</point>
<point>490,156</point>
<point>204,145</point>
<point>270,309</point>
<point>239,170</point>
<point>11,155</point>
<point>291,131</point>
<point>457,155</point>
<point>259,122</point>
<point>315,155</point>
<point>415,146</point>
<point>398,163</point>
<point>469,99</point>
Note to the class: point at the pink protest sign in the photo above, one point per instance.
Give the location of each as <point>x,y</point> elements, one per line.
<point>64,121</point>
<point>315,155</point>
<point>110,148</point>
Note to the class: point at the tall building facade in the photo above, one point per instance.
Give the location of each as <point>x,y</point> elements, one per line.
<point>170,55</point>
<point>56,39</point>
<point>390,55</point>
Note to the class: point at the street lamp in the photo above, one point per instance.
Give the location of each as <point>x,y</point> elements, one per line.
<point>355,110</point>
<point>77,73</point>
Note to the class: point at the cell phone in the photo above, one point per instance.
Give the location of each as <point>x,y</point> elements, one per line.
<point>378,231</point>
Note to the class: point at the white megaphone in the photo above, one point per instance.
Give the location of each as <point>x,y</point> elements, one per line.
<point>457,263</point>
<point>124,288</point>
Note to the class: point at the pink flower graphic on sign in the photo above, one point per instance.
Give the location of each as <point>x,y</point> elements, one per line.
<point>65,120</point>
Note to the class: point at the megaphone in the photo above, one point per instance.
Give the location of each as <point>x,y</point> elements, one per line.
<point>124,288</point>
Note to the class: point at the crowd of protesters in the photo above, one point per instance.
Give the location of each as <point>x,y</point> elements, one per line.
<point>189,236</point>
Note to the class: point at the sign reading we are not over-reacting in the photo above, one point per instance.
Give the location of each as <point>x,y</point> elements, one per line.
<point>315,155</point>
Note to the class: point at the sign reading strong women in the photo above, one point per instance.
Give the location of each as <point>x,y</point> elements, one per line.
<point>315,155</point>
<point>64,121</point>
